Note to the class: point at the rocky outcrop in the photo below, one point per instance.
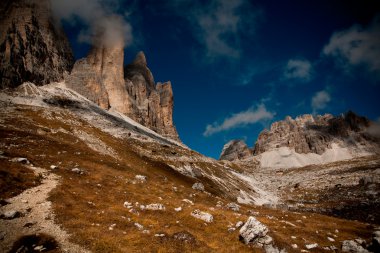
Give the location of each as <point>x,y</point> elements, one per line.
<point>152,104</point>
<point>235,150</point>
<point>32,46</point>
<point>309,134</point>
<point>100,77</point>
<point>132,91</point>
<point>313,134</point>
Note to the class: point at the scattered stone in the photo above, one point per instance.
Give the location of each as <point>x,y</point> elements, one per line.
<point>239,224</point>
<point>155,207</point>
<point>252,230</point>
<point>294,246</point>
<point>198,186</point>
<point>202,215</point>
<point>39,248</point>
<point>188,201</point>
<point>146,231</point>
<point>111,227</point>
<point>178,209</point>
<point>311,246</point>
<point>78,171</point>
<point>10,215</point>
<point>331,239</point>
<point>20,160</point>
<point>127,205</point>
<point>139,226</point>
<point>159,235</point>
<point>231,229</point>
<point>141,178</point>
<point>233,206</point>
<point>293,237</point>
<point>184,236</point>
<point>29,224</point>
<point>271,249</point>
<point>53,167</point>
<point>352,246</point>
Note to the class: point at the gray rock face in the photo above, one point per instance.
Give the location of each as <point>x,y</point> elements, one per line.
<point>312,134</point>
<point>32,46</point>
<point>235,150</point>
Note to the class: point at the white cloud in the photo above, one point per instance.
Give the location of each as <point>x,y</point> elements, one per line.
<point>219,24</point>
<point>356,46</point>
<point>251,116</point>
<point>298,69</point>
<point>100,18</point>
<point>320,100</point>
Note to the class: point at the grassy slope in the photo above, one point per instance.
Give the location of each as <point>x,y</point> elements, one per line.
<point>89,223</point>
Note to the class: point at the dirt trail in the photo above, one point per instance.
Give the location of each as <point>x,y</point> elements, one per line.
<point>37,215</point>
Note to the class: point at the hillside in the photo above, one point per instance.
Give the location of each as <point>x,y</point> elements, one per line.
<point>103,167</point>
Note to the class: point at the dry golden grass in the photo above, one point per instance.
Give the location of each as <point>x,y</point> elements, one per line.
<point>87,205</point>
<point>15,178</point>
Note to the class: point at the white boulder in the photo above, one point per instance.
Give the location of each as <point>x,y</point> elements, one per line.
<point>155,207</point>
<point>252,230</point>
<point>233,206</point>
<point>352,246</point>
<point>202,215</point>
<point>311,246</point>
<point>140,178</point>
<point>198,186</point>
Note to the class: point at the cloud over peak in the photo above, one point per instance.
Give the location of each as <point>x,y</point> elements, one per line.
<point>357,45</point>
<point>298,69</point>
<point>251,116</point>
<point>99,19</point>
<point>320,100</point>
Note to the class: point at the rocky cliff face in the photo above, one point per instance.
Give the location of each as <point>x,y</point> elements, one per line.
<point>235,150</point>
<point>132,91</point>
<point>313,134</point>
<point>308,134</point>
<point>32,47</point>
<point>152,104</point>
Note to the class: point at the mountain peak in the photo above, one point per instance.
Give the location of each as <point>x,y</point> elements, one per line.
<point>140,59</point>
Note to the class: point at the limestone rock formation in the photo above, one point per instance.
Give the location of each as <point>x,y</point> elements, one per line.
<point>308,134</point>
<point>235,150</point>
<point>100,77</point>
<point>32,46</point>
<point>152,104</point>
<point>313,134</point>
<point>132,91</point>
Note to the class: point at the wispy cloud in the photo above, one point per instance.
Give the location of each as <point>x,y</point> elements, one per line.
<point>320,100</point>
<point>251,116</point>
<point>355,46</point>
<point>99,18</point>
<point>298,69</point>
<point>219,24</point>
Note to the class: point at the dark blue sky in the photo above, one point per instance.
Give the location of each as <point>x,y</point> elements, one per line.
<point>237,66</point>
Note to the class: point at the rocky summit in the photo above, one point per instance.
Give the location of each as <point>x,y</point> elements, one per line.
<point>309,134</point>
<point>235,150</point>
<point>32,46</point>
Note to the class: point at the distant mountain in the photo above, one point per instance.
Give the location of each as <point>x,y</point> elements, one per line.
<point>325,136</point>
